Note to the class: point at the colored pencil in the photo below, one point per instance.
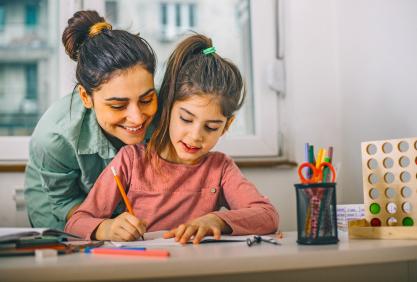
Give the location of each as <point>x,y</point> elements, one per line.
<point>130,252</point>
<point>123,193</point>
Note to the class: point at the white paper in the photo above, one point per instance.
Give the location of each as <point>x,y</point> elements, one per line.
<point>155,239</point>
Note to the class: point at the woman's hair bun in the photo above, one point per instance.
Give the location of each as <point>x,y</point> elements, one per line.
<point>77,31</point>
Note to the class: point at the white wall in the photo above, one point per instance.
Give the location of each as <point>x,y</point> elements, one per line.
<point>351,77</point>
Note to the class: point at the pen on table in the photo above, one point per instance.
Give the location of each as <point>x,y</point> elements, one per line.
<point>123,193</point>
<point>129,252</point>
<point>257,239</point>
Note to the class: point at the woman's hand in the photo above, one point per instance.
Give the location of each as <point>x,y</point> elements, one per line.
<point>72,211</point>
<point>124,227</point>
<point>208,224</point>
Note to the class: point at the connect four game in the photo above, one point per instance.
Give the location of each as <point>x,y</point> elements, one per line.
<point>389,171</point>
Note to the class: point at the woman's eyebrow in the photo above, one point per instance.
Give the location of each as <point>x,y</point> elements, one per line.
<point>211,121</point>
<point>121,99</point>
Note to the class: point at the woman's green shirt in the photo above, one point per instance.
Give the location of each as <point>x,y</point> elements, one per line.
<point>68,151</point>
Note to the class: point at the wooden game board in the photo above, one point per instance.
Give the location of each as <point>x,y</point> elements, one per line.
<point>389,171</point>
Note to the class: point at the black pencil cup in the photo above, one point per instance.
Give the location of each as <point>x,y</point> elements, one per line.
<point>316,213</point>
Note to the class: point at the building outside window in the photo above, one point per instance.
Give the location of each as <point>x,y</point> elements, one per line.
<point>31,14</point>
<point>28,58</point>
<point>175,19</point>
<point>112,12</point>
<point>2,16</point>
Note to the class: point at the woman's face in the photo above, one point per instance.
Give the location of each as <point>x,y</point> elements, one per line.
<point>125,105</point>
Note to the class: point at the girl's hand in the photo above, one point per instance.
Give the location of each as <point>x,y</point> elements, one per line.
<point>124,227</point>
<point>208,224</point>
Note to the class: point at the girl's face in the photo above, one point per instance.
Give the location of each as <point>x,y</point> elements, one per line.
<point>125,105</point>
<point>196,125</point>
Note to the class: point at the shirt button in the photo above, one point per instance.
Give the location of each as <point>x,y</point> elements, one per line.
<point>213,190</point>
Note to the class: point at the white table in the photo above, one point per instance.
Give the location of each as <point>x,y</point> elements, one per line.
<point>350,260</point>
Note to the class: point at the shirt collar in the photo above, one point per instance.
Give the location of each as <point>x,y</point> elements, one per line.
<point>91,139</point>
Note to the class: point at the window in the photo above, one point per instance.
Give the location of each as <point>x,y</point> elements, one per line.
<point>28,71</point>
<point>240,34</point>
<point>31,76</point>
<point>112,12</point>
<point>2,16</point>
<point>41,73</point>
<point>175,19</point>
<point>31,14</point>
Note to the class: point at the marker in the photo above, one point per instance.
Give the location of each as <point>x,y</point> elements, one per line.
<point>123,193</point>
<point>310,159</point>
<point>306,157</point>
<point>129,252</point>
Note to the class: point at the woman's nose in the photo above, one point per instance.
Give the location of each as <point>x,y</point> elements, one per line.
<point>135,115</point>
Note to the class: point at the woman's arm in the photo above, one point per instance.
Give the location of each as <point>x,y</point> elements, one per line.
<point>51,181</point>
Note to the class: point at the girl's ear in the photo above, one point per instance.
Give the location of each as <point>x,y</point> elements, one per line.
<point>85,98</point>
<point>228,123</point>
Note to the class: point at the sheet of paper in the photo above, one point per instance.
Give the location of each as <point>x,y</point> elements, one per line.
<point>155,239</point>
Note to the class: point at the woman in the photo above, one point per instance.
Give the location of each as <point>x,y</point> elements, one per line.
<point>80,134</point>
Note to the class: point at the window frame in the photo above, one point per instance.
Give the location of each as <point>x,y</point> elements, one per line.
<point>264,143</point>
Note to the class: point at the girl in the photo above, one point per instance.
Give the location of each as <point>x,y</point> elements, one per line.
<point>176,182</point>
<point>79,135</point>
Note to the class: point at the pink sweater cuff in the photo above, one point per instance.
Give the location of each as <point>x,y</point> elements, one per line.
<point>84,227</point>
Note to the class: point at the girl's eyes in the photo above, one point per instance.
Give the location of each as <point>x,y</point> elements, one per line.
<point>208,128</point>
<point>185,120</point>
<point>211,128</point>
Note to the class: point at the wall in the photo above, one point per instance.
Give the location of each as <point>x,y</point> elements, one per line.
<point>351,77</point>
<point>351,71</point>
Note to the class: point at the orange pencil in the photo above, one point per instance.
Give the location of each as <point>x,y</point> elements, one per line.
<point>123,193</point>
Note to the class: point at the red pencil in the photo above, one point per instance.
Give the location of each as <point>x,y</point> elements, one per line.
<point>130,252</point>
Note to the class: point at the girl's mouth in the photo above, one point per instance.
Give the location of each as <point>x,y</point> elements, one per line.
<point>190,149</point>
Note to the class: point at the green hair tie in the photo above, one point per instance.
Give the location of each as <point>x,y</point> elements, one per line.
<point>209,50</point>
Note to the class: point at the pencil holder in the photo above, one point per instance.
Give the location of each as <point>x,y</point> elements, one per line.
<point>316,213</point>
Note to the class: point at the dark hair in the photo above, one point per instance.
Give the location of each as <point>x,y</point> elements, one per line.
<point>190,72</point>
<point>101,56</point>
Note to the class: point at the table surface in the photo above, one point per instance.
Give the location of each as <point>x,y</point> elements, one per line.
<point>212,258</point>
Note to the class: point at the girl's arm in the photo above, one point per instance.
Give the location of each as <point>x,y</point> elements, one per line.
<point>250,212</point>
<point>93,218</point>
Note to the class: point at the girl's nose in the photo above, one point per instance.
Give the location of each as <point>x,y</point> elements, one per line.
<point>196,134</point>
